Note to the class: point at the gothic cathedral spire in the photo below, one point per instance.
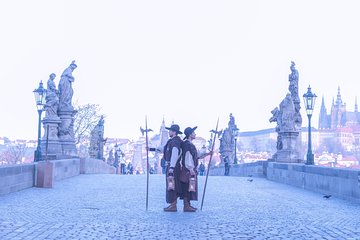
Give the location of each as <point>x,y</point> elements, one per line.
<point>323,123</point>
<point>356,105</point>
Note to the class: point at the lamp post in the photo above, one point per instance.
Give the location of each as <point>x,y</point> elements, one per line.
<point>309,100</point>
<point>235,132</point>
<point>40,95</point>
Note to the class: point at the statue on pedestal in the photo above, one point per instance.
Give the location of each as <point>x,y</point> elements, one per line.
<point>287,111</point>
<point>97,140</point>
<point>51,121</point>
<point>227,140</point>
<point>66,112</point>
<point>288,122</point>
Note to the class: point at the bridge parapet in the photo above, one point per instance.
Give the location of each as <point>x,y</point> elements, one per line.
<point>339,182</point>
<point>14,178</point>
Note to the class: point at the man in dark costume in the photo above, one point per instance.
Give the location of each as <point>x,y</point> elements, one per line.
<point>189,164</point>
<point>172,156</point>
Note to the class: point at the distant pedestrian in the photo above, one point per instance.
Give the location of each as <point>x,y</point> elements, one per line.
<point>202,169</point>
<point>130,168</point>
<point>163,165</point>
<point>122,164</point>
<point>227,166</point>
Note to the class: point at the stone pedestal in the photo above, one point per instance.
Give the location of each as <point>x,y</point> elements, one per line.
<point>54,148</point>
<point>289,152</point>
<point>45,174</point>
<point>229,153</point>
<point>66,132</point>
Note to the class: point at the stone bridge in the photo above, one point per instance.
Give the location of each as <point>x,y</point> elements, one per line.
<point>112,206</point>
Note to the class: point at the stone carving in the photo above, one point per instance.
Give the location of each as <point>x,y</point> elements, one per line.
<point>294,83</point>
<point>276,117</point>
<point>288,122</point>
<point>52,99</point>
<point>97,140</point>
<point>66,128</point>
<point>279,144</point>
<point>294,90</point>
<point>111,158</point>
<point>65,87</point>
<point>59,116</point>
<point>287,111</point>
<point>227,140</point>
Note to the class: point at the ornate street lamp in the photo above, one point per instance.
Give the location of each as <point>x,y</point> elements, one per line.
<point>236,132</point>
<point>309,100</point>
<point>40,95</point>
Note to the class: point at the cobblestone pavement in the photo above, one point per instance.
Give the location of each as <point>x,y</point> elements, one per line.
<point>113,207</point>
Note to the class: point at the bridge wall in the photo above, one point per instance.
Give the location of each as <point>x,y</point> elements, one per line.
<point>14,178</point>
<point>90,165</point>
<point>255,169</point>
<point>340,182</point>
<point>66,168</point>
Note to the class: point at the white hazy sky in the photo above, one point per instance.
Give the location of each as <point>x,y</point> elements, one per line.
<point>187,61</point>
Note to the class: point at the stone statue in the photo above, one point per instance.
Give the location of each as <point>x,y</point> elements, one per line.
<point>297,117</point>
<point>66,131</point>
<point>285,117</point>
<point>65,87</point>
<point>276,117</point>
<point>97,140</point>
<point>227,140</point>
<point>232,120</point>
<point>287,110</point>
<point>111,159</point>
<point>279,144</point>
<point>288,122</point>
<point>294,90</point>
<point>294,83</point>
<point>52,99</point>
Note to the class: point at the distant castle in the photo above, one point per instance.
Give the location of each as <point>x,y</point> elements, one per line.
<point>341,127</point>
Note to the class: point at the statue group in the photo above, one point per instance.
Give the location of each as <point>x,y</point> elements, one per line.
<point>59,116</point>
<point>227,142</point>
<point>97,140</point>
<point>288,122</point>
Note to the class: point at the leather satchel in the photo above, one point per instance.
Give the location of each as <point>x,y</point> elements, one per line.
<point>184,175</point>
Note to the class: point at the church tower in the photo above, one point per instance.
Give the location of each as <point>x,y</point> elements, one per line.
<point>323,119</point>
<point>356,105</point>
<point>164,134</point>
<point>338,111</point>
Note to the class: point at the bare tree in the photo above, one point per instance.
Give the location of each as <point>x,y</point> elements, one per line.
<point>85,119</point>
<point>13,154</point>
